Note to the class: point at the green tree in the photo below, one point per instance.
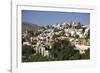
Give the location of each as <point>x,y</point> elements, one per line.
<point>39,57</point>
<point>86,55</point>
<point>27,51</point>
<point>62,50</point>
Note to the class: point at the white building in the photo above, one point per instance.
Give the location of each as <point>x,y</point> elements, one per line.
<point>26,43</point>
<point>81,48</point>
<point>46,53</point>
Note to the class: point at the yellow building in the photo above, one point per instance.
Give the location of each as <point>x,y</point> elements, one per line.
<point>85,42</point>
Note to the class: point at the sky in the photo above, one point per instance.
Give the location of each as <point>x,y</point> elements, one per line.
<point>51,17</point>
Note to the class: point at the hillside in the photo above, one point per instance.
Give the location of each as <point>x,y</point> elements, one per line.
<point>30,27</point>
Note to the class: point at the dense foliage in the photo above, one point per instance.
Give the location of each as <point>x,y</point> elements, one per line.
<point>61,50</point>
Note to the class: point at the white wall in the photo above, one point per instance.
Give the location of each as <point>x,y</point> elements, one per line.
<point>5,35</point>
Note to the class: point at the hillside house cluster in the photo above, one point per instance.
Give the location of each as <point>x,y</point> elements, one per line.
<point>77,34</point>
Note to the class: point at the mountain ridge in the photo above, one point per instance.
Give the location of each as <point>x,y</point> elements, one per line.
<point>27,26</point>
